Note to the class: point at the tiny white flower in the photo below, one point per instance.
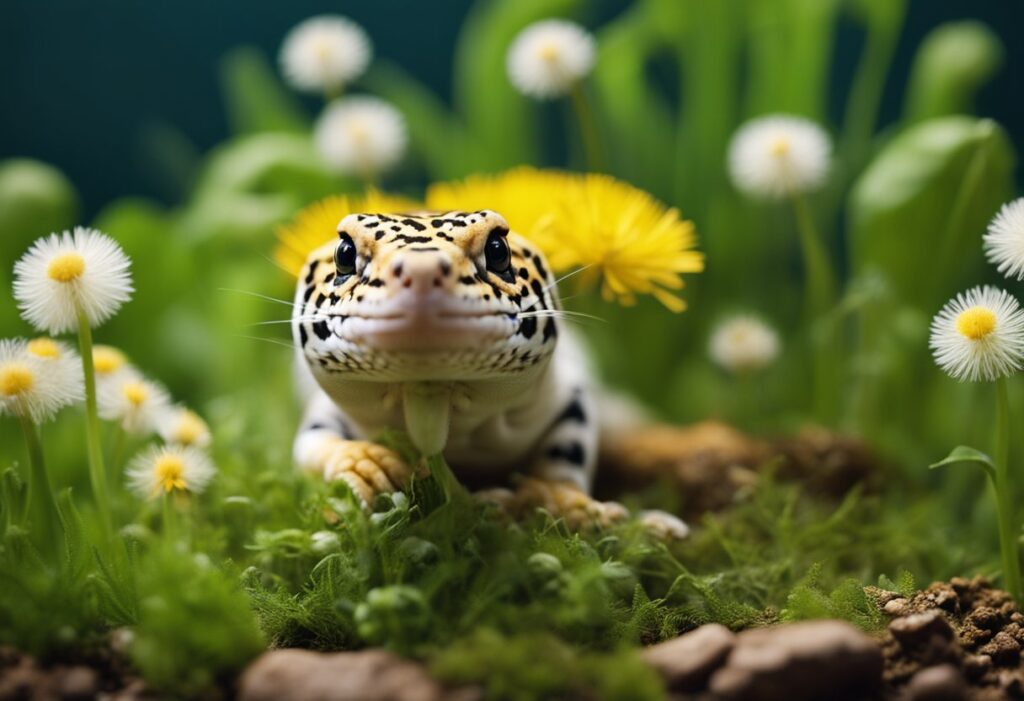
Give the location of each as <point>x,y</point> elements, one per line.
<point>181,426</point>
<point>63,274</point>
<point>133,401</point>
<point>979,335</point>
<point>163,469</point>
<point>1004,240</point>
<point>61,361</point>
<point>361,136</point>
<point>323,54</point>
<point>743,344</point>
<point>31,386</point>
<point>547,58</point>
<point>108,362</point>
<point>779,155</point>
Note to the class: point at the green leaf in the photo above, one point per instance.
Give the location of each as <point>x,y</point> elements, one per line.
<point>928,196</point>
<point>255,99</point>
<point>964,453</point>
<point>954,61</point>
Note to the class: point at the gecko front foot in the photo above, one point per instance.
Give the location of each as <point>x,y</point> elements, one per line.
<point>367,468</point>
<point>566,501</point>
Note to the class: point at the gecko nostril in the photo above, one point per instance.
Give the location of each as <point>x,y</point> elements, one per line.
<point>407,282</point>
<point>397,269</point>
<point>437,282</point>
<point>446,268</point>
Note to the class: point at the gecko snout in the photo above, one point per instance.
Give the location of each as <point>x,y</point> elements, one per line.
<point>420,272</point>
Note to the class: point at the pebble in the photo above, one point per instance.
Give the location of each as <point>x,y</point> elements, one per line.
<point>918,629</point>
<point>941,683</point>
<point>686,662</point>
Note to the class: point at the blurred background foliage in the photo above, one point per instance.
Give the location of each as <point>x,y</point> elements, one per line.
<point>167,126</point>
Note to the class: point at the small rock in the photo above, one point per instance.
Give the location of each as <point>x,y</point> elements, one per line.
<point>1003,649</point>
<point>941,683</point>
<point>895,607</point>
<point>686,662</point>
<point>78,683</point>
<point>812,660</point>
<point>918,629</point>
<point>370,675</point>
<point>977,666</point>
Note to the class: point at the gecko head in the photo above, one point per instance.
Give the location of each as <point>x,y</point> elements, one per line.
<point>453,296</point>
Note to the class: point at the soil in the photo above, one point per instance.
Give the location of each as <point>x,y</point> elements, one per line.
<point>963,631</point>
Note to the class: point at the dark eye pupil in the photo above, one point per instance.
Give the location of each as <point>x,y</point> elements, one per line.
<point>497,254</point>
<point>345,256</point>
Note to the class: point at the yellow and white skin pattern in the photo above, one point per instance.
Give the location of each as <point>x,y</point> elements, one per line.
<point>446,326</point>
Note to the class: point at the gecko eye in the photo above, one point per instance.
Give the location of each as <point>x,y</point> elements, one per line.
<point>496,252</point>
<point>345,256</point>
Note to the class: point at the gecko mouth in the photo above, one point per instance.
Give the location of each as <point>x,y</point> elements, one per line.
<point>428,330</point>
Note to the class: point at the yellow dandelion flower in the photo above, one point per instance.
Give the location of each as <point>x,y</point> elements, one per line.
<point>625,237</point>
<point>165,469</point>
<point>318,223</point>
<point>524,196</point>
<point>108,360</point>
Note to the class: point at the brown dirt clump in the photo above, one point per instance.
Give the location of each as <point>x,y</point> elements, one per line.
<point>964,631</point>
<point>711,464</point>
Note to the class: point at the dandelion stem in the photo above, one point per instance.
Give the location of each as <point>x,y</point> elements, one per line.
<point>40,497</point>
<point>1004,497</point>
<point>592,151</point>
<point>97,471</point>
<point>819,299</point>
<point>169,519</point>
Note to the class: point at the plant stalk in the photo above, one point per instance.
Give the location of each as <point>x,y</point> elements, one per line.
<point>1004,498</point>
<point>97,470</point>
<point>40,492</point>
<point>592,151</point>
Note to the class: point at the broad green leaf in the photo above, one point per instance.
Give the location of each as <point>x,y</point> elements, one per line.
<point>255,99</point>
<point>966,454</point>
<point>918,211</point>
<point>954,61</point>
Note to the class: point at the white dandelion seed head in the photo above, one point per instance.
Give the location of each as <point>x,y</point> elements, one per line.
<point>181,426</point>
<point>1004,240</point>
<point>162,469</point>
<point>547,58</point>
<point>61,361</point>
<point>133,401</point>
<point>979,335</point>
<point>743,344</point>
<point>361,136</point>
<point>779,155</point>
<point>35,386</point>
<point>323,54</point>
<point>64,273</point>
<point>108,363</point>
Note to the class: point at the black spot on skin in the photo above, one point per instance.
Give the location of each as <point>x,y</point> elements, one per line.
<point>378,236</point>
<point>424,248</point>
<point>499,230</point>
<point>376,282</point>
<point>549,330</point>
<point>330,276</point>
<point>360,217</point>
<point>312,273</point>
<point>303,336</point>
<point>384,217</point>
<point>316,427</point>
<point>528,327</point>
<point>570,453</point>
<point>418,226</point>
<point>320,299</point>
<point>573,413</point>
<point>524,273</point>
<point>372,224</point>
<point>527,253</point>
<point>334,298</point>
<point>446,237</point>
<point>396,228</point>
<point>538,290</point>
<point>437,223</point>
<point>458,222</point>
<point>524,291</point>
<point>541,270</point>
<point>321,330</point>
<point>467,280</point>
<point>413,239</point>
<point>359,298</point>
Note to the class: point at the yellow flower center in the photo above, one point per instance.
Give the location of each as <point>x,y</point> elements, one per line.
<point>16,379</point>
<point>107,360</point>
<point>170,473</point>
<point>548,53</point>
<point>779,147</point>
<point>44,348</point>
<point>66,267</point>
<point>190,427</point>
<point>136,393</point>
<point>976,323</point>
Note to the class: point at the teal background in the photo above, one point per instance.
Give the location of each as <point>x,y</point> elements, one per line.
<point>84,84</point>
